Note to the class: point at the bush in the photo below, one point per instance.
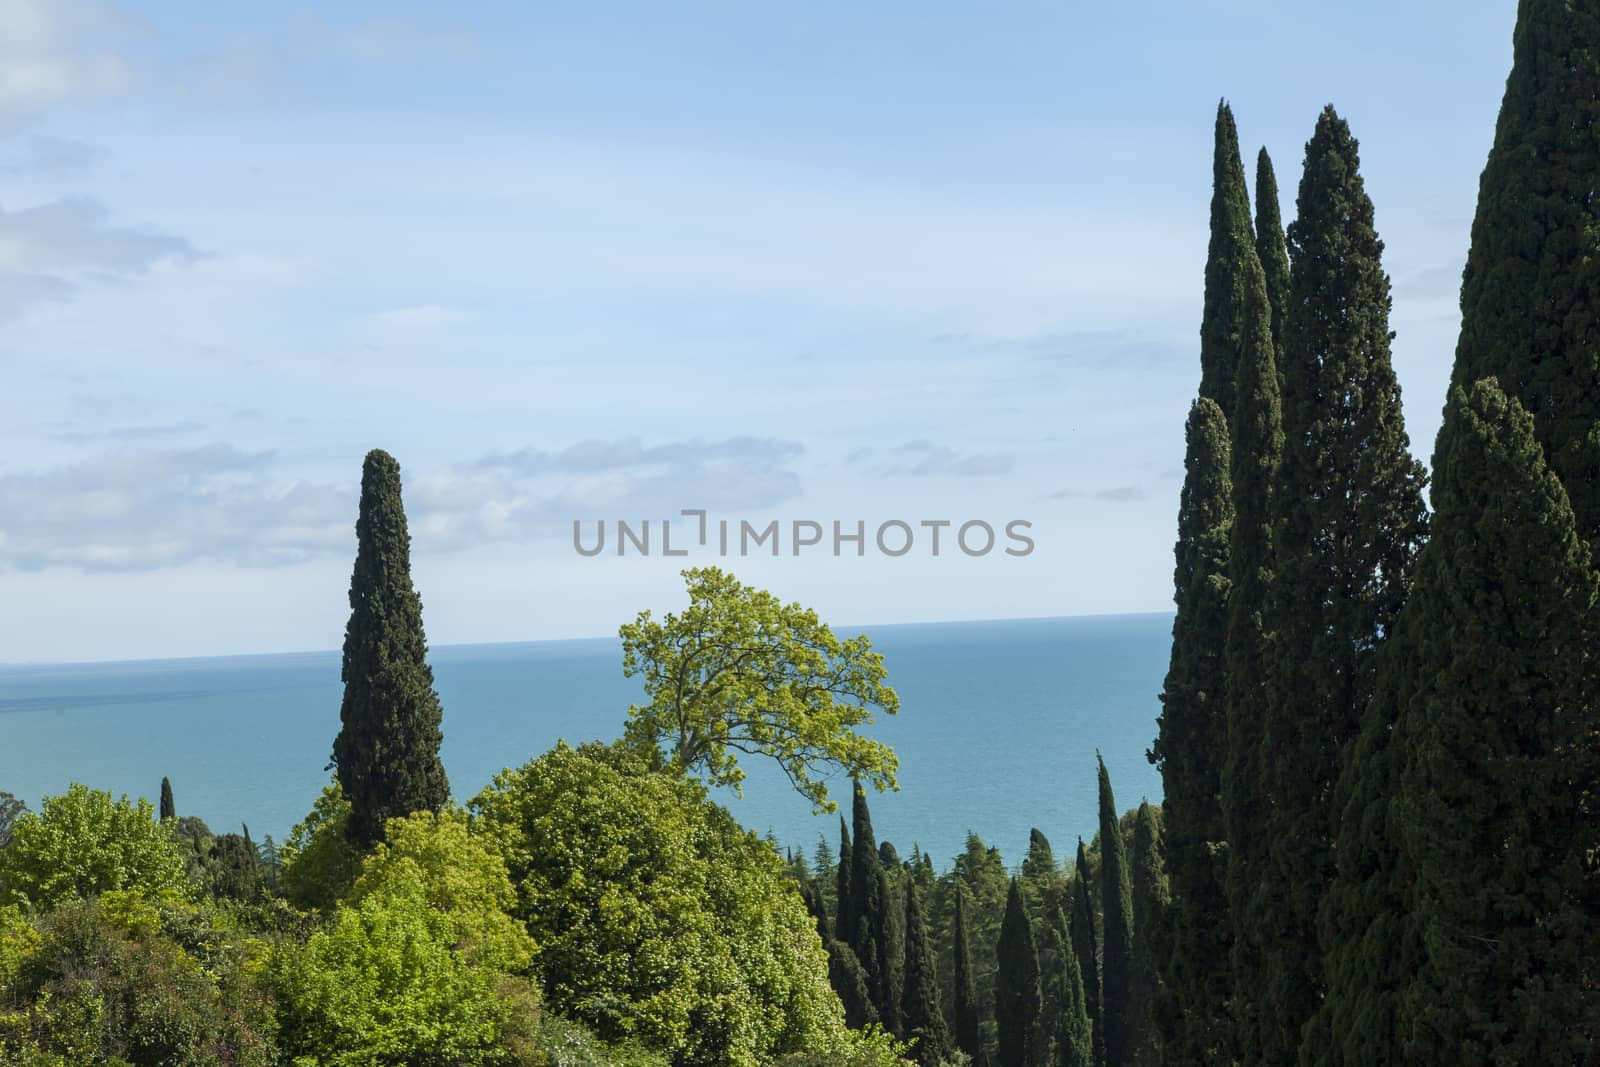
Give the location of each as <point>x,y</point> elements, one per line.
<point>319,863</point>
<point>84,842</point>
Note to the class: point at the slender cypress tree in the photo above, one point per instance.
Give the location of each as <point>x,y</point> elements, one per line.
<point>387,751</point>
<point>845,974</point>
<point>1530,294</point>
<point>844,919</point>
<point>1151,902</point>
<point>1086,947</point>
<point>1271,248</point>
<point>968,1035</point>
<point>1016,987</point>
<point>168,809</point>
<point>1116,901</point>
<point>1351,522</point>
<point>1223,324</point>
<point>874,937</point>
<point>1074,1032</point>
<point>1489,820</point>
<point>922,1006</point>
<point>1192,740</point>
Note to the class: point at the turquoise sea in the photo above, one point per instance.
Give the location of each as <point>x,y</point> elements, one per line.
<point>997,730</point>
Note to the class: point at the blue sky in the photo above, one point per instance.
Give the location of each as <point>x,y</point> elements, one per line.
<point>834,261</point>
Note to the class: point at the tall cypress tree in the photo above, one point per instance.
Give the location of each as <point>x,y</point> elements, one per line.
<point>968,1034</point>
<point>1151,901</point>
<point>1489,819</point>
<point>1350,525</point>
<point>168,809</point>
<point>1016,987</point>
<point>1086,947</point>
<point>874,937</point>
<point>845,974</point>
<point>1074,1031</point>
<point>1530,294</point>
<point>1272,250</point>
<point>1224,322</point>
<point>1192,740</point>
<point>387,751</point>
<point>922,1006</point>
<point>1116,902</point>
<point>844,919</point>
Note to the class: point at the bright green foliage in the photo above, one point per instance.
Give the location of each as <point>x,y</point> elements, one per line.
<point>1074,1032</point>
<point>740,672</point>
<point>656,915</point>
<point>1192,738</point>
<point>461,875</point>
<point>875,936</point>
<point>1214,965</point>
<point>135,980</point>
<point>168,809</point>
<point>1224,325</point>
<point>387,750</point>
<point>968,1035</point>
<point>381,987</point>
<point>922,1006</point>
<point>1530,294</point>
<point>84,842</point>
<point>1086,947</point>
<point>319,863</point>
<point>1151,902</point>
<point>1351,521</point>
<point>1016,989</point>
<point>1499,713</point>
<point>1271,249</point>
<point>1116,901</point>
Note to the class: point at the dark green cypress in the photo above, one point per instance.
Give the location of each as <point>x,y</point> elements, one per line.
<point>845,974</point>
<point>1272,249</point>
<point>1530,294</point>
<point>874,938</point>
<point>1192,741</point>
<point>1016,988</point>
<point>1086,947</point>
<point>1212,979</point>
<point>969,1033</point>
<point>1116,902</point>
<point>1350,524</point>
<point>1074,1031</point>
<point>1151,903</point>
<point>922,1006</point>
<point>1223,324</point>
<point>387,751</point>
<point>1490,821</point>
<point>844,920</point>
<point>168,809</point>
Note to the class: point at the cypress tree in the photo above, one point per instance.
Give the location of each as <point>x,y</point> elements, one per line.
<point>1530,294</point>
<point>1086,947</point>
<point>1016,987</point>
<point>387,751</point>
<point>1225,966</point>
<point>844,919</point>
<point>922,1006</point>
<point>1223,324</point>
<point>1272,250</point>
<point>1489,820</point>
<point>1192,739</point>
<point>1351,522</point>
<point>968,1034</point>
<point>845,974</point>
<point>1074,1033</point>
<point>168,809</point>
<point>874,938</point>
<point>1116,901</point>
<point>1151,902</point>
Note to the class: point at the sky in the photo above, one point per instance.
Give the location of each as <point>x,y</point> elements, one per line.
<point>896,262</point>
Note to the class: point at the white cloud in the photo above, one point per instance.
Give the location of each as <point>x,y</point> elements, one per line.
<point>923,459</point>
<point>52,51</point>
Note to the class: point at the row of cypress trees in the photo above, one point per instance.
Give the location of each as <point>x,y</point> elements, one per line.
<point>1379,740</point>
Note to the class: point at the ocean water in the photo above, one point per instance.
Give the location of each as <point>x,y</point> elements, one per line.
<point>997,731</point>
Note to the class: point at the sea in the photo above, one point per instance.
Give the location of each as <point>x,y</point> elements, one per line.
<point>997,731</point>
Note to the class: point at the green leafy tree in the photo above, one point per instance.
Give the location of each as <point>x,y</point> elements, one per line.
<point>168,809</point>
<point>741,673</point>
<point>387,750</point>
<point>1531,287</point>
<point>1192,734</point>
<point>1500,700</point>
<point>1016,990</point>
<point>1271,248</point>
<point>318,863</point>
<point>656,916</point>
<point>1352,519</point>
<point>84,842</point>
<point>1085,940</point>
<point>1116,901</point>
<point>922,1006</point>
